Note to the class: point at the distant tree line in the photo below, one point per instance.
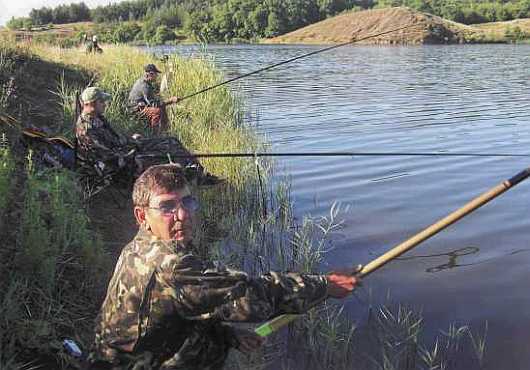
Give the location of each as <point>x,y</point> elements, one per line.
<point>61,14</point>
<point>157,21</point>
<point>223,20</point>
<point>213,20</point>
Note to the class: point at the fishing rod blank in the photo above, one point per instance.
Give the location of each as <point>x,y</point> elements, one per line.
<point>297,58</point>
<point>280,321</point>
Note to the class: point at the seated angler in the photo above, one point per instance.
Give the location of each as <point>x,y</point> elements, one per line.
<point>167,308</point>
<point>97,143</point>
<point>109,152</point>
<point>145,101</point>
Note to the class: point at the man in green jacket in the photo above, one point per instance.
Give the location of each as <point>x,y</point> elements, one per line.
<point>167,308</point>
<point>99,145</point>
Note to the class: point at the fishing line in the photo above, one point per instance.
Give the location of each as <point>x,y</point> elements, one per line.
<point>345,154</point>
<point>297,58</point>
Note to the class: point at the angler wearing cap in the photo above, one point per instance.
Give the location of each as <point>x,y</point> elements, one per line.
<point>167,308</point>
<point>97,142</point>
<point>110,152</point>
<point>145,101</point>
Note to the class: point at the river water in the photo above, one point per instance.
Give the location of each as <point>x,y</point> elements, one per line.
<point>403,99</point>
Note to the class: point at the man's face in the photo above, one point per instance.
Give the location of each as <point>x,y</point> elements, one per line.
<point>152,76</point>
<point>100,105</point>
<point>167,218</point>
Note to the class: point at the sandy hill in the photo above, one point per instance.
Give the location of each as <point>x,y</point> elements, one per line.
<point>428,29</point>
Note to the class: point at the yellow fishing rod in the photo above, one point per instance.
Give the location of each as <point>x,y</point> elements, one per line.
<point>280,321</point>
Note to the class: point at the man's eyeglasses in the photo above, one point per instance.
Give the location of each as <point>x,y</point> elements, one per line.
<point>171,207</point>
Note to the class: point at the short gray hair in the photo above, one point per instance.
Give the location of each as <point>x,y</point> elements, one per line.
<point>157,179</point>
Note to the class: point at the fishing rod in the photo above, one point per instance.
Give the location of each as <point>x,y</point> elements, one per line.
<point>280,321</point>
<point>296,58</point>
<point>337,154</point>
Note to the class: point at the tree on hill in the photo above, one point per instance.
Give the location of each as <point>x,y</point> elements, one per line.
<point>19,23</point>
<point>60,14</point>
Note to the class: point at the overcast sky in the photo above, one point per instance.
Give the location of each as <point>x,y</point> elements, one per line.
<point>21,8</point>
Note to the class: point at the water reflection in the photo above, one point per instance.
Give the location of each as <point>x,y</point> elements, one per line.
<point>453,259</point>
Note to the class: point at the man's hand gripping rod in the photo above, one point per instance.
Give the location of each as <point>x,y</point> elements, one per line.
<point>280,321</point>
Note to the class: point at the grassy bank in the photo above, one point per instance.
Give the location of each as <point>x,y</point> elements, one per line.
<point>55,260</point>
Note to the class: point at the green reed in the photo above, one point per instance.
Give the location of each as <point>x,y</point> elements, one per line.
<point>7,167</point>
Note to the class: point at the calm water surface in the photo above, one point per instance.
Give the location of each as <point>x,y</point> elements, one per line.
<point>433,98</point>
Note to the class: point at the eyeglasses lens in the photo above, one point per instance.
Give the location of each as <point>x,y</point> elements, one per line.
<point>171,206</point>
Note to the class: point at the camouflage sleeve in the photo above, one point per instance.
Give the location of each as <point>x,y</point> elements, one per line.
<point>106,144</point>
<point>230,295</point>
<point>99,144</point>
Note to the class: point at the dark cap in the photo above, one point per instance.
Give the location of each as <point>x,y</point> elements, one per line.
<point>151,68</point>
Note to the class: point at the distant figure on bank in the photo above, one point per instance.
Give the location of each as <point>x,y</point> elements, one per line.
<point>145,101</point>
<point>168,308</point>
<point>93,46</point>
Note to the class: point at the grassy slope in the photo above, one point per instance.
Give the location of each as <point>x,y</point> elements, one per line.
<point>347,26</point>
<point>497,30</point>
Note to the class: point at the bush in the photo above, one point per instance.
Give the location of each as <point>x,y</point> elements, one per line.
<point>19,23</point>
<point>162,35</point>
<point>515,34</point>
<point>126,32</point>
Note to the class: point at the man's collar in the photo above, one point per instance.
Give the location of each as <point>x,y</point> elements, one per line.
<point>145,236</point>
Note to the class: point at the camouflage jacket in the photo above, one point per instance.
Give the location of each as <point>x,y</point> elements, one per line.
<point>96,140</point>
<point>166,308</point>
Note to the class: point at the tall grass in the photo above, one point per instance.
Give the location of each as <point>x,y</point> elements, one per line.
<point>57,269</point>
<point>209,122</point>
<point>7,166</point>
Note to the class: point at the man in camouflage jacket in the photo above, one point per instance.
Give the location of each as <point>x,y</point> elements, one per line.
<point>97,142</point>
<point>167,308</point>
<point>102,147</point>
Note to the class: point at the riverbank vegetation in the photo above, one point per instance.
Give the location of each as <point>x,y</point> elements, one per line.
<point>55,259</point>
<point>166,21</point>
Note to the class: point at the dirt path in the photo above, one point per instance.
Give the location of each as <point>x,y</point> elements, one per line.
<point>111,215</point>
